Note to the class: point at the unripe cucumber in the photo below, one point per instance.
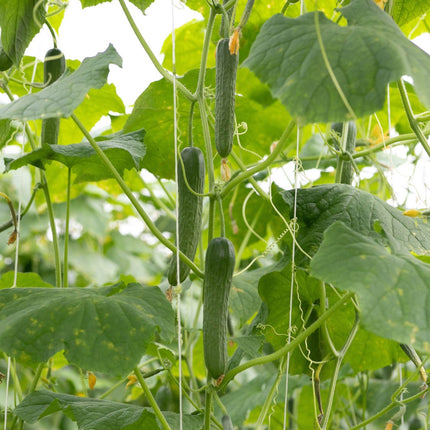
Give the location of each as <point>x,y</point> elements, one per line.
<point>53,67</point>
<point>190,209</point>
<point>347,173</point>
<point>226,71</point>
<point>226,423</point>
<point>219,267</point>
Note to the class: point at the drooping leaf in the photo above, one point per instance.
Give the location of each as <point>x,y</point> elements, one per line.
<point>392,287</point>
<point>364,57</point>
<point>105,329</point>
<point>319,207</point>
<point>96,414</point>
<point>125,151</point>
<point>18,25</point>
<point>62,97</point>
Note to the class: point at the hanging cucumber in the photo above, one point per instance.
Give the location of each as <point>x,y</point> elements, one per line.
<point>226,423</point>
<point>226,70</point>
<point>219,267</point>
<point>190,209</point>
<point>53,68</point>
<point>346,168</point>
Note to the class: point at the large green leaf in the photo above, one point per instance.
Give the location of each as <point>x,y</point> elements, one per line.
<point>98,414</point>
<point>105,329</point>
<point>405,11</point>
<point>125,151</point>
<point>62,97</point>
<point>321,206</point>
<point>392,287</point>
<point>18,25</point>
<point>364,57</point>
<point>153,110</point>
<point>23,280</point>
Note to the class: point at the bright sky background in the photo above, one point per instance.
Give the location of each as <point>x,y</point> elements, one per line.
<point>85,32</point>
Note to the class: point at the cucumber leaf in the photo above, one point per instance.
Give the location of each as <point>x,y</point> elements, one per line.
<point>98,414</point>
<point>364,56</point>
<point>125,151</point>
<point>18,25</point>
<point>392,286</point>
<point>106,329</point>
<point>62,97</point>
<point>319,207</point>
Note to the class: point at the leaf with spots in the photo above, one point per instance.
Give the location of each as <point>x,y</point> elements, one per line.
<point>96,414</point>
<point>349,74</point>
<point>62,97</point>
<point>106,329</point>
<point>392,286</point>
<point>125,151</point>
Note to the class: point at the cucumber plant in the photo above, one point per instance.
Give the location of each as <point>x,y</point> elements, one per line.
<point>225,95</point>
<point>53,67</point>
<point>219,268</point>
<point>191,182</point>
<point>320,283</point>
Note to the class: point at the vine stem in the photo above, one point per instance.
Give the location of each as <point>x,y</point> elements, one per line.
<point>66,232</point>
<point>208,408</point>
<point>339,360</point>
<point>288,347</point>
<point>388,408</point>
<point>154,230</point>
<point>411,118</point>
<point>44,186</point>
<point>185,91</point>
<point>281,146</point>
<point>151,399</point>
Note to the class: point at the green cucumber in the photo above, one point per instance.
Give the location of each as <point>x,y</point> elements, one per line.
<point>226,423</point>
<point>5,61</point>
<point>226,71</point>
<point>219,267</point>
<point>347,169</point>
<point>53,67</point>
<point>190,209</point>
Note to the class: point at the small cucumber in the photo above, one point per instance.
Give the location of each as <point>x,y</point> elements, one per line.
<point>53,68</point>
<point>219,267</point>
<point>346,166</point>
<point>226,71</point>
<point>5,61</point>
<point>226,423</point>
<point>190,209</point>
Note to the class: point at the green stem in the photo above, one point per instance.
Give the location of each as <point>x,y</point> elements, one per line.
<point>151,399</point>
<point>246,13</point>
<point>260,166</point>
<point>185,91</point>
<point>208,408</point>
<point>254,183</point>
<point>290,346</point>
<point>36,378</point>
<point>388,408</point>
<point>337,369</point>
<point>409,113</point>
<point>154,230</point>
<point>55,241</point>
<point>221,217</point>
<point>169,196</point>
<point>205,51</point>
<point>44,186</point>
<point>66,232</point>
